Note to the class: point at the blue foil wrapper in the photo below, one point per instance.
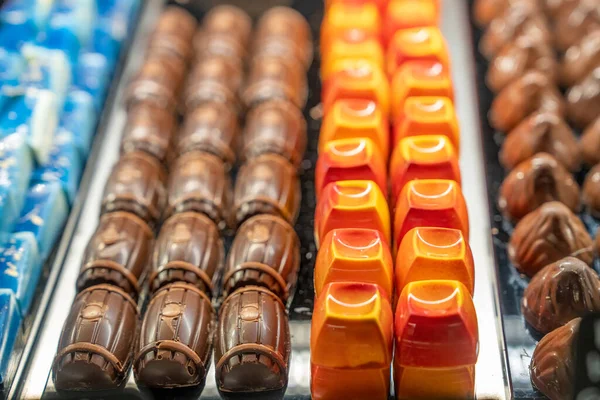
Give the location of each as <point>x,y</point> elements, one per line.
<point>10,322</point>
<point>93,75</point>
<point>80,117</point>
<point>47,69</point>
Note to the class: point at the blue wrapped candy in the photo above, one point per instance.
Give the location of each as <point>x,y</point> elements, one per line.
<point>79,117</point>
<point>93,75</point>
<point>20,268</point>
<point>47,69</point>
<point>20,21</point>
<point>10,322</point>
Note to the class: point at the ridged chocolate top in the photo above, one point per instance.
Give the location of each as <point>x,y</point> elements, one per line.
<point>581,58</point>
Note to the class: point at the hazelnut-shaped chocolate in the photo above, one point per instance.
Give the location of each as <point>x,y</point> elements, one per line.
<point>136,184</point>
<point>267,184</point>
<point>541,132</point>
<point>580,59</point>
<point>535,181</point>
<point>188,249</point>
<point>532,92</point>
<point>552,366</point>
<point>560,292</point>
<point>200,182</point>
<point>589,143</point>
<point>576,22</point>
<point>546,235</point>
<point>591,191</point>
<point>265,252</point>
<point>174,33</point>
<point>519,56</point>
<point>277,127</point>
<point>583,100</point>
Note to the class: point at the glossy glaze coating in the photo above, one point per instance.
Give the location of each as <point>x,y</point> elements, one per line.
<point>581,58</point>
<point>591,191</point>
<point>583,99</point>
<point>589,143</point>
<point>173,34</point>
<point>226,27</point>
<point>575,22</point>
<point>485,11</point>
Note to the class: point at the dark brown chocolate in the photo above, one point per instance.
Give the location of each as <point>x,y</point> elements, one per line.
<point>275,127</point>
<point>546,235</point>
<point>583,100</point>
<point>265,252</point>
<point>176,338</point>
<point>560,292</point>
<point>188,249</point>
<point>535,181</point>
<point>267,184</point>
<point>200,182</point>
<point>252,343</point>
<point>576,22</point>
<point>589,143</point>
<point>552,366</point>
<point>591,191</point>
<point>541,132</point>
<point>580,59</point>
<point>97,341</point>
<point>137,185</point>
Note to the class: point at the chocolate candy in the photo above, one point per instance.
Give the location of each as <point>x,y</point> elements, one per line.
<point>96,343</point>
<point>176,338</point>
<point>546,235</point>
<point>581,58</point>
<point>252,344</point>
<point>552,366</point>
<point>173,34</point>
<point>118,253</point>
<point>591,191</point>
<point>265,252</point>
<point>188,249</point>
<point>555,7</point>
<point>225,31</point>
<point>275,127</point>
<point>561,291</point>
<point>531,92</point>
<point>576,22</point>
<point>137,185</point>
<point>211,127</point>
<point>199,182</point>
<point>541,132</point>
<point>535,181</point>
<point>485,11</point>
<point>589,143</point>
<point>267,184</point>
<point>583,100</point>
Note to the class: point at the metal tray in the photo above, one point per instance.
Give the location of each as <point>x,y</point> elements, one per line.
<point>492,380</point>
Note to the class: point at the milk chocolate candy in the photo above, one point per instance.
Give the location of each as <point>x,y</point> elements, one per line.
<point>218,44</point>
<point>583,100</point>
<point>485,11</point>
<point>174,33</point>
<point>252,344</point>
<point>211,127</point>
<point>267,184</point>
<point>532,92</point>
<point>560,292</point>
<point>580,59</point>
<point>137,185</point>
<point>118,253</point>
<point>552,366</point>
<point>188,249</point>
<point>150,129</point>
<point>575,23</point>
<point>546,235</point>
<point>555,7</point>
<point>199,182</point>
<point>229,21</point>
<point>541,132</point>
<point>589,143</point>
<point>97,341</point>
<point>275,127</point>
<point>517,57</point>
<point>535,181</point>
<point>591,191</point>
<point>265,252</point>
<point>176,338</point>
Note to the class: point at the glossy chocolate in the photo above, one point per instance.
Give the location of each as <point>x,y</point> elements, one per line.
<point>96,344</point>
<point>555,7</point>
<point>589,143</point>
<point>227,21</point>
<point>576,22</point>
<point>176,338</point>
<point>174,33</point>
<point>591,191</point>
<point>252,344</point>
<point>136,184</point>
<point>267,184</point>
<point>581,58</point>
<point>535,181</point>
<point>188,249</point>
<point>485,11</point>
<point>541,132</point>
<point>560,292</point>
<point>583,100</point>
<point>547,235</point>
<point>265,252</point>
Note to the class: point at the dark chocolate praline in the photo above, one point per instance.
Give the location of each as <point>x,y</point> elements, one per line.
<point>589,143</point>
<point>583,100</point>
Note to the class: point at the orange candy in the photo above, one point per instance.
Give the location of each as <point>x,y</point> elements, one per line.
<point>422,157</point>
<point>426,44</point>
<point>355,118</point>
<point>450,383</point>
<point>342,16</point>
<point>361,383</point>
<point>406,14</point>
<point>425,116</point>
<point>352,44</point>
<point>354,255</point>
<point>381,4</point>
<point>434,253</point>
<point>430,202</point>
<point>352,204</point>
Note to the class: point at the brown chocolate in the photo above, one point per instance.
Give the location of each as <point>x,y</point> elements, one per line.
<point>174,33</point>
<point>118,253</point>
<point>199,182</point>
<point>229,21</point>
<point>222,45</point>
<point>188,249</point>
<point>546,235</point>
<point>485,11</point>
<point>252,343</point>
<point>211,127</point>
<point>580,59</point>
<point>267,184</point>
<point>97,341</point>
<point>591,191</point>
<point>265,252</point>
<point>541,132</point>
<point>535,181</point>
<point>275,127</point>
<point>583,100</point>
<point>576,22</point>
<point>532,92</point>
<point>555,7</point>
<point>560,292</point>
<point>176,338</point>
<point>552,366</point>
<point>137,185</point>
<point>589,143</point>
